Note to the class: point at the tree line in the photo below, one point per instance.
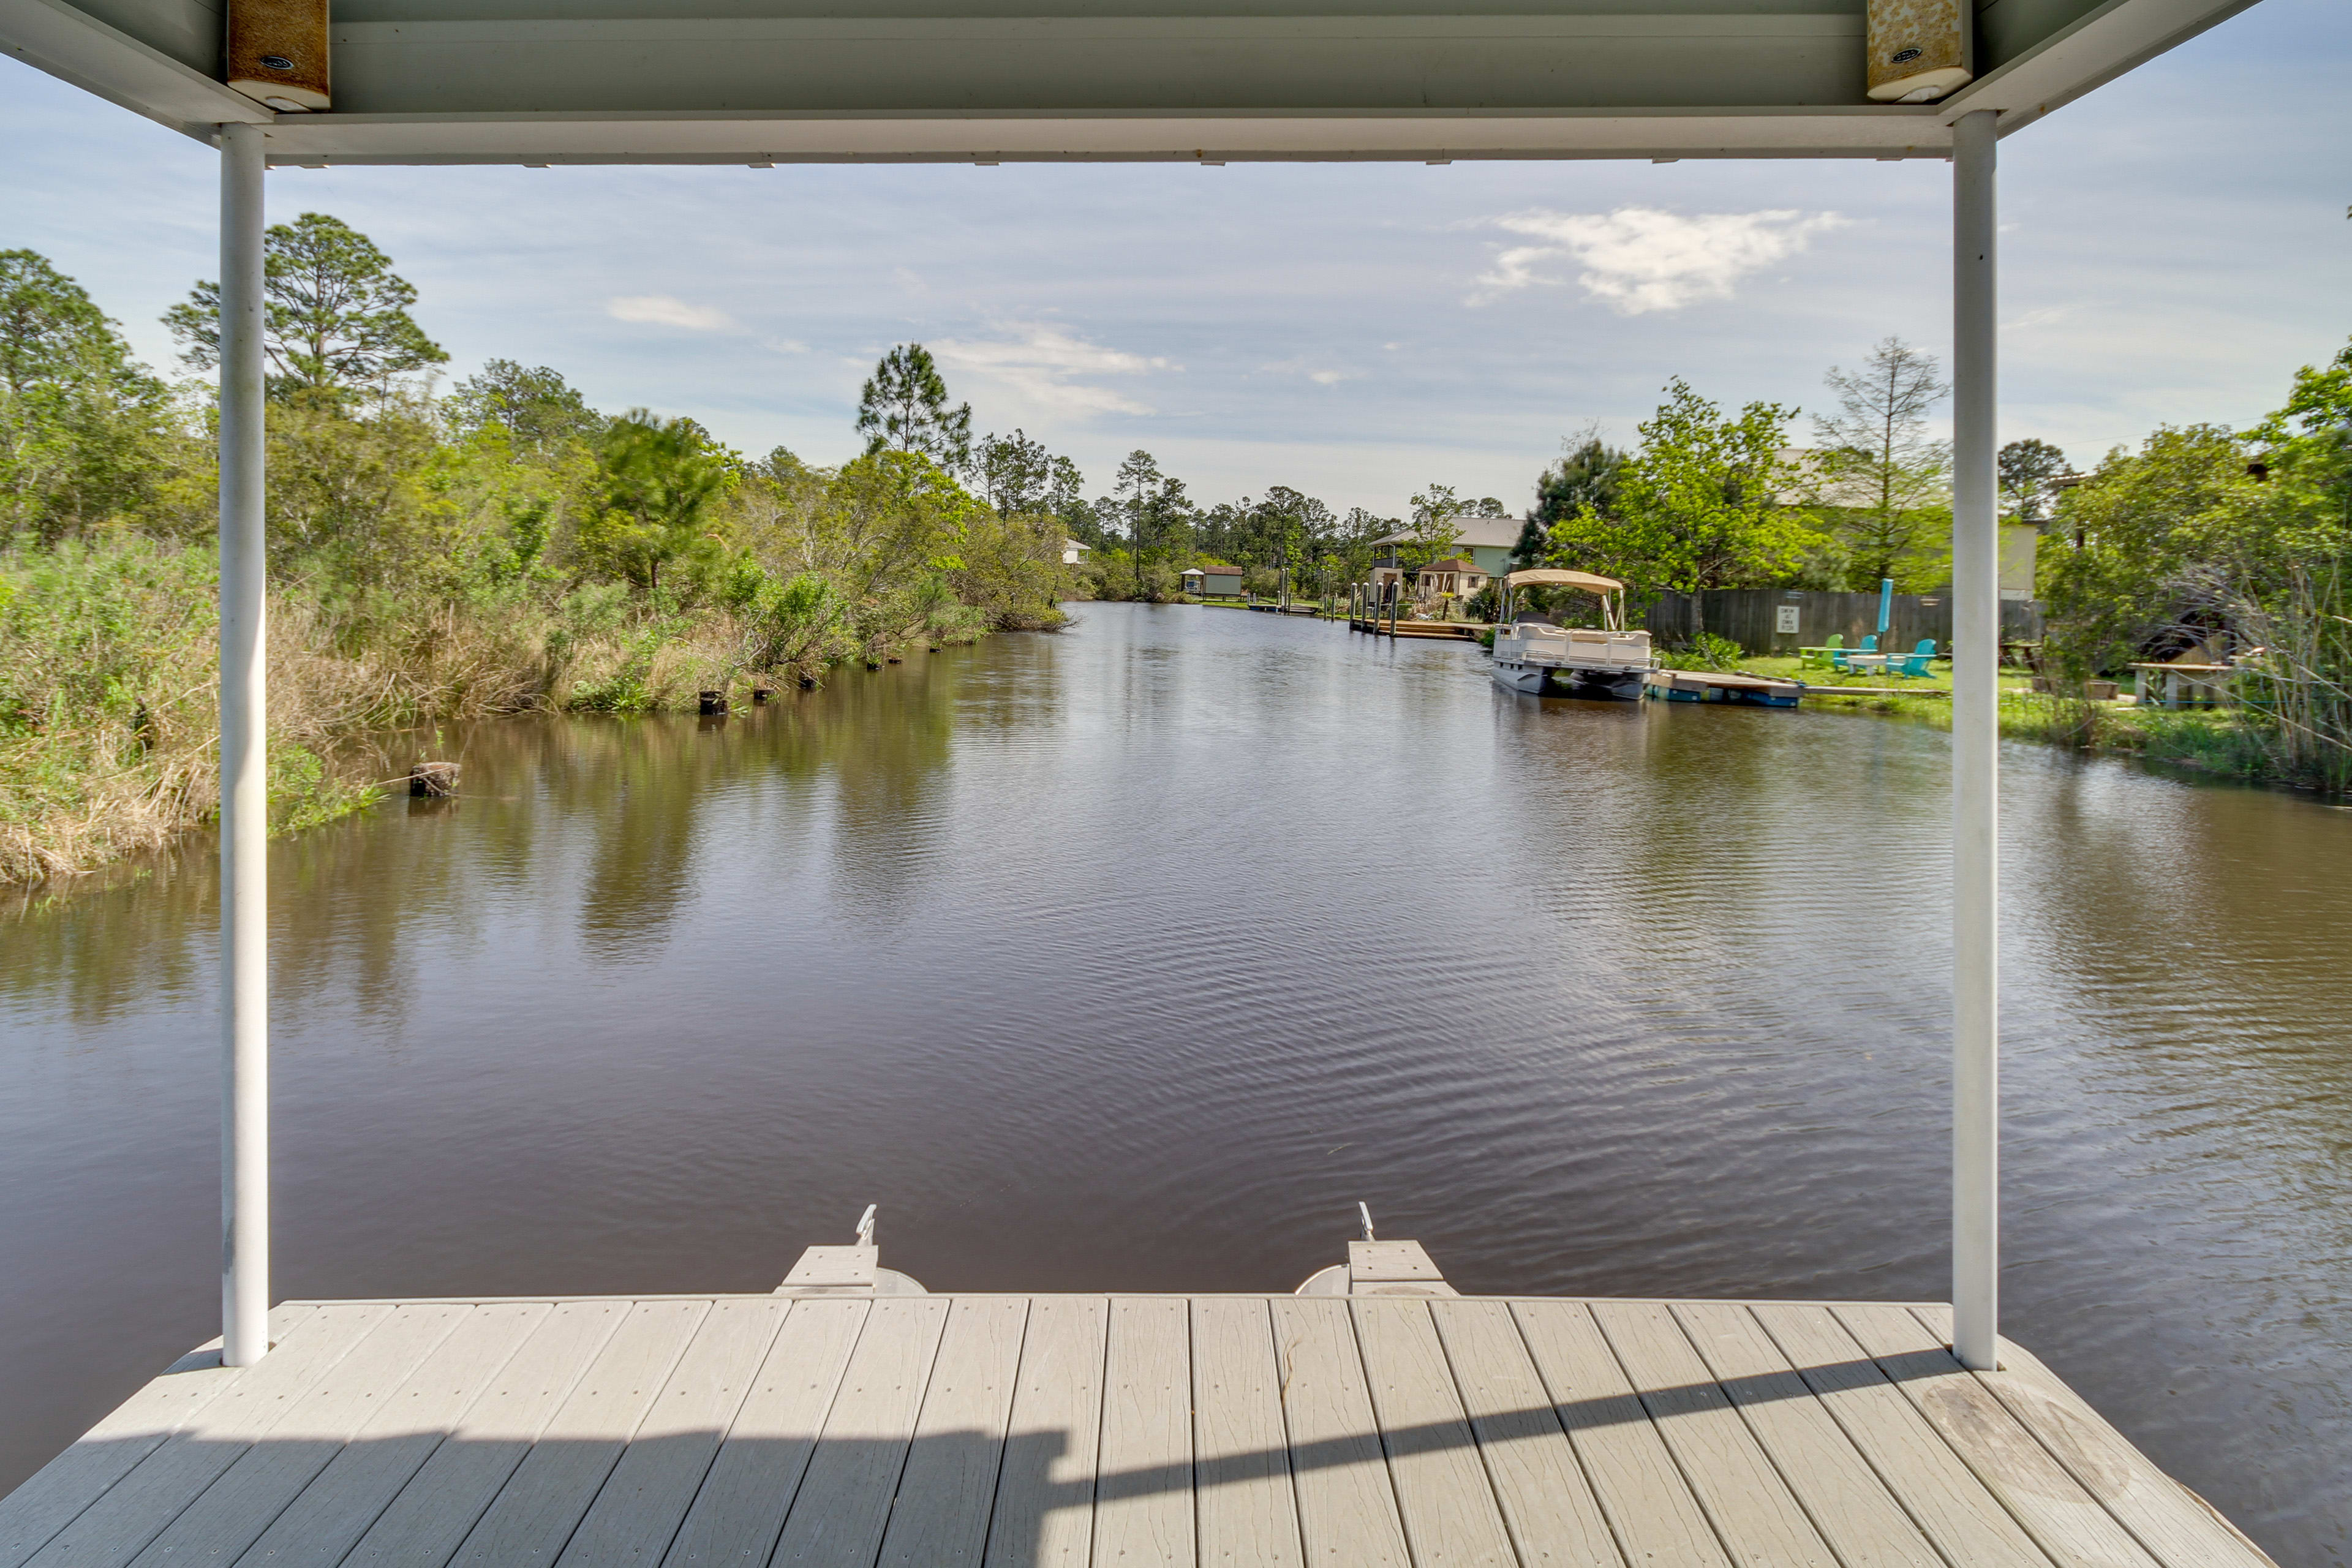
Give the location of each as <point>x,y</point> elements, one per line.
<point>1711,498</point>
<point>433,553</point>
<point>2226,545</point>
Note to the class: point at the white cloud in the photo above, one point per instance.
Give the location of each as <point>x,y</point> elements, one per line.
<point>1637,259</point>
<point>1319,375</point>
<point>788,345</point>
<point>2049,315</point>
<point>1050,368</point>
<point>663,310</point>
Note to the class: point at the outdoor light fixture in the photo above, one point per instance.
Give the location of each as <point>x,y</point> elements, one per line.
<point>278,53</point>
<point>1918,50</point>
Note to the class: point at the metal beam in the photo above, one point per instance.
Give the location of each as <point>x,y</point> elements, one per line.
<point>2090,51</point>
<point>77,48</point>
<point>1976,752</point>
<point>1828,132</point>
<point>243,763</point>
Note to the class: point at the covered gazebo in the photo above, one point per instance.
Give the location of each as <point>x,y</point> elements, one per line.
<point>762,82</point>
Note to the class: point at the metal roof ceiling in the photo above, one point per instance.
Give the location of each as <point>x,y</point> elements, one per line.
<point>736,82</point>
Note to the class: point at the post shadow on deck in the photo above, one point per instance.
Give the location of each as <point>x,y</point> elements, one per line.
<point>322,1500</point>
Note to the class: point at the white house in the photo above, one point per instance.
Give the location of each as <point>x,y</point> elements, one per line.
<point>1073,552</point>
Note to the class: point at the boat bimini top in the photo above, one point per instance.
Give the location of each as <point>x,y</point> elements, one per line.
<point>1552,576</point>
<point>1610,591</point>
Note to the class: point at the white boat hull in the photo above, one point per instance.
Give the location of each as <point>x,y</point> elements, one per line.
<point>1619,685</point>
<point>1527,677</point>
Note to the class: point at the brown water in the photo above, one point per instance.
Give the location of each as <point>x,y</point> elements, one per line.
<point>1134,957</point>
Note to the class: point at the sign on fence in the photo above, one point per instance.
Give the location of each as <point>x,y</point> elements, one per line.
<point>1784,618</point>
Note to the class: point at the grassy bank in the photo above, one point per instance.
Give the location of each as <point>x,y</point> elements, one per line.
<point>107,678</point>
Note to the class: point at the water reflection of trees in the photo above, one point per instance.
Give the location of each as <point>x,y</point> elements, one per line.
<point>611,813</point>
<point>125,937</point>
<point>637,787</point>
<point>884,741</point>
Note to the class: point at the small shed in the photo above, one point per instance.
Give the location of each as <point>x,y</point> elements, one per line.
<point>1460,576</point>
<point>1073,553</point>
<point>1212,582</point>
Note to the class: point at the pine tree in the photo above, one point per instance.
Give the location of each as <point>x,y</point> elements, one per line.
<point>336,316</point>
<point>903,407</point>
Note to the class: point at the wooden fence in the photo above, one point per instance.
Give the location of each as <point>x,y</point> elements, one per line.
<point>1753,617</point>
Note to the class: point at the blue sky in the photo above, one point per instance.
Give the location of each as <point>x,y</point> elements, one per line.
<point>2173,245</point>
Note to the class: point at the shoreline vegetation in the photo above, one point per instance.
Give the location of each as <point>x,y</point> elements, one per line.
<point>500,549</point>
<point>2206,740</point>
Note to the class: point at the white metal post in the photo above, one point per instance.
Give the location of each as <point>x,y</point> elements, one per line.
<point>243,762</point>
<point>1976,756</point>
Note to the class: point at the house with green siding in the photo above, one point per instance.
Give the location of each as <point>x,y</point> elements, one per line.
<point>1484,542</point>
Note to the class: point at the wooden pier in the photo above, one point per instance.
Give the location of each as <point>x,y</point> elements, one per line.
<point>1116,1431</point>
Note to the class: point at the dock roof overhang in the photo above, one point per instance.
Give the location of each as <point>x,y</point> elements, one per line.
<point>759,81</point>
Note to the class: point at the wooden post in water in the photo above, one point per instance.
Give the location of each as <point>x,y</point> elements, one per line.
<point>712,702</point>
<point>433,781</point>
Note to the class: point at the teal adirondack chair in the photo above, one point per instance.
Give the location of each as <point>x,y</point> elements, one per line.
<point>1837,658</point>
<point>1914,663</point>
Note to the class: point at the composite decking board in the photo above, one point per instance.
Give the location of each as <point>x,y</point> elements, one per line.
<point>2067,1521</point>
<point>838,1518</point>
<point>1757,1517</point>
<point>949,1486</point>
<point>2175,1525</point>
<point>56,1494</point>
<point>1242,1499</point>
<point>1130,1432</point>
<point>534,1515</point>
<point>740,1508</point>
<point>1045,1487</point>
<point>322,1524</point>
<point>426,1522</point>
<point>1656,1516</point>
<point>1346,1505</point>
<point>1847,1501</point>
<point>1950,1504</point>
<point>1546,1501</point>
<point>229,1514</point>
<point>1144,1479</point>
<point>1443,1490</point>
<point>642,1501</point>
<point>139,1506</point>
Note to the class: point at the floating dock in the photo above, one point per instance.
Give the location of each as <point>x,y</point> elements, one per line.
<point>1111,1431</point>
<point>1708,686</point>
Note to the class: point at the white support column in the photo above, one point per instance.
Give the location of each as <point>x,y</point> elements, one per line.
<point>1976,757</point>
<point>244,735</point>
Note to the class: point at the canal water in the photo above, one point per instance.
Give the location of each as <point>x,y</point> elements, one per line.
<point>1135,956</point>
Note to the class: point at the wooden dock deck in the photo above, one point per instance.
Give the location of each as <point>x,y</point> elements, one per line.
<point>1116,1431</point>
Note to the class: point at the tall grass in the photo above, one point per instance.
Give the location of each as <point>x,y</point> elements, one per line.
<point>2297,692</point>
<point>109,660</point>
